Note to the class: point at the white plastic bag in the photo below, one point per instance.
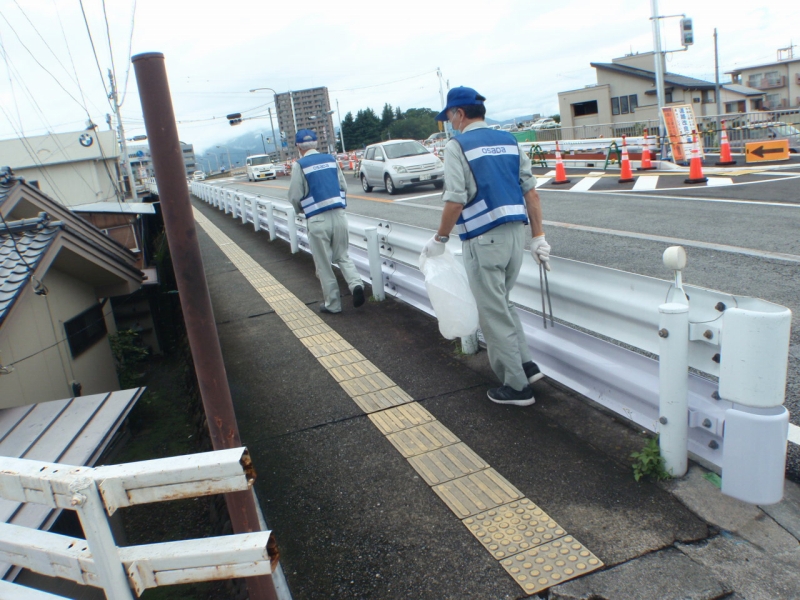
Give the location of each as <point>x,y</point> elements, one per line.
<point>448,290</point>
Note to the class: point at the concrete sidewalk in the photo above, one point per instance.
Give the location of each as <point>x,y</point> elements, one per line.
<point>357,511</point>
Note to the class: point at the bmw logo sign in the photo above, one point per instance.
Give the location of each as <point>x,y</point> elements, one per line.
<point>86,140</point>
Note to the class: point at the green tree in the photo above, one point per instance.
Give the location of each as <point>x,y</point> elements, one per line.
<point>367,128</point>
<point>348,130</point>
<point>387,116</point>
<point>417,124</point>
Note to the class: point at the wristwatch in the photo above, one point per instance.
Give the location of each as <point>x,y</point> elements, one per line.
<point>442,238</point>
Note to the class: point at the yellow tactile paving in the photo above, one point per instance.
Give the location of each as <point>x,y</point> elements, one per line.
<point>492,509</point>
<point>544,566</point>
<point>401,417</point>
<point>448,463</point>
<point>421,439</point>
<point>382,399</point>
<point>473,494</point>
<point>514,527</point>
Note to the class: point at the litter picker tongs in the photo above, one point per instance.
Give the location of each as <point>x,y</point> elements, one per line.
<point>545,289</point>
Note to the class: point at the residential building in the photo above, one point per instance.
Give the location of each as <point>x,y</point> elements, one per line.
<point>626,92</point>
<point>308,109</point>
<point>73,168</point>
<point>779,81</point>
<point>57,273</point>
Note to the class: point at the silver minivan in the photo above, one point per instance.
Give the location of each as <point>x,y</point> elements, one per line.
<point>399,164</point>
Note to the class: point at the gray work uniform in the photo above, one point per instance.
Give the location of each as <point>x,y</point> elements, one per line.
<point>493,261</point>
<point>329,239</point>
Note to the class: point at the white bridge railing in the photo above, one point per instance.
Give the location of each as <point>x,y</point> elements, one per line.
<point>96,493</point>
<point>612,304</point>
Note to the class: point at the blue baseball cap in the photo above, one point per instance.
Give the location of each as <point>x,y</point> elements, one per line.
<point>305,135</point>
<point>460,96</point>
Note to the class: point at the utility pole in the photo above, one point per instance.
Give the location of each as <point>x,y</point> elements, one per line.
<point>447,127</point>
<point>659,70</point>
<point>341,131</point>
<point>278,149</point>
<point>121,132</point>
<point>716,83</point>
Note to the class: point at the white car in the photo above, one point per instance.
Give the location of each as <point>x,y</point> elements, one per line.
<point>546,123</point>
<point>260,167</point>
<point>198,176</point>
<point>398,164</point>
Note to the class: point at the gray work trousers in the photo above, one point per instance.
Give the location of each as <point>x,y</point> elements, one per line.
<point>328,238</point>
<point>492,262</point>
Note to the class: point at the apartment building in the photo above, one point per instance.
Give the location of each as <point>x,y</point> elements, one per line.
<point>306,109</point>
<point>142,161</point>
<point>778,80</point>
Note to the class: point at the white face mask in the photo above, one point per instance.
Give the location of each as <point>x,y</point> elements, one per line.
<point>456,129</point>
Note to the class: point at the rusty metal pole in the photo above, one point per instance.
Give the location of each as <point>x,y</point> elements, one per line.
<point>165,149</point>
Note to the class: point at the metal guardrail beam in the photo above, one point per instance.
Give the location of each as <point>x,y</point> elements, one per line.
<point>603,311</point>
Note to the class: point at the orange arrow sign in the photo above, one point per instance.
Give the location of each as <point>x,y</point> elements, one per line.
<point>766,151</point>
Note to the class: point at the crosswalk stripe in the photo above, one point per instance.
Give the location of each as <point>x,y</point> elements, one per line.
<point>584,184</point>
<point>646,182</point>
<point>540,181</point>
<point>717,181</point>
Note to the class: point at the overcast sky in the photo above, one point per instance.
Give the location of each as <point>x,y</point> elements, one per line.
<point>518,53</point>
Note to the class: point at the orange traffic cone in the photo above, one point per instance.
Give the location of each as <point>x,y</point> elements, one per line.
<point>725,158</point>
<point>352,162</point>
<point>626,176</point>
<point>647,164</point>
<point>696,164</point>
<point>561,173</point>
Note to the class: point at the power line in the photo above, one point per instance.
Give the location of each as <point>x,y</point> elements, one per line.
<point>130,48</point>
<point>110,51</point>
<point>386,83</point>
<point>94,51</point>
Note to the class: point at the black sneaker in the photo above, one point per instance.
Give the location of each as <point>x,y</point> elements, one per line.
<point>358,296</point>
<point>325,310</point>
<point>532,372</point>
<point>508,395</point>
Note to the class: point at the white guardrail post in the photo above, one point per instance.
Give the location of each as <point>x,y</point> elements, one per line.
<point>95,493</point>
<point>375,263</point>
<point>738,424</point>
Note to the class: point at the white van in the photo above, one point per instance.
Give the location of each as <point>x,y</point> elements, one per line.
<point>260,167</point>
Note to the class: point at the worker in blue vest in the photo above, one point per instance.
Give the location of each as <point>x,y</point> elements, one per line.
<point>489,196</point>
<point>317,189</point>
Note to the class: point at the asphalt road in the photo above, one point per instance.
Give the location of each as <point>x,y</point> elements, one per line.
<point>752,228</point>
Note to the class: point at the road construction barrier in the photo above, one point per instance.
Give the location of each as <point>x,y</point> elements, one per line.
<point>695,164</point>
<point>561,174</point>
<point>725,158</point>
<point>626,174</point>
<point>646,163</point>
<point>737,347</point>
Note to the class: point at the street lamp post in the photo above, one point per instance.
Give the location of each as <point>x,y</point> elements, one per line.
<point>230,165</point>
<point>341,131</point>
<point>263,143</point>
<point>279,149</point>
<point>324,115</point>
<point>216,158</point>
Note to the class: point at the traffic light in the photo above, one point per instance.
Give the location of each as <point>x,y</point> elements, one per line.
<point>234,118</point>
<point>687,35</point>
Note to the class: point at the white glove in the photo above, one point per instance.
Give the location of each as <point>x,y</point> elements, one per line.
<point>433,248</point>
<point>540,250</point>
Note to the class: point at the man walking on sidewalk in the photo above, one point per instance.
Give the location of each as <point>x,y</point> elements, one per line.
<point>489,196</point>
<point>317,188</point>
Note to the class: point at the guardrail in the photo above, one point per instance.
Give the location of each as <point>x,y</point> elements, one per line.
<point>604,310</point>
<point>96,493</point>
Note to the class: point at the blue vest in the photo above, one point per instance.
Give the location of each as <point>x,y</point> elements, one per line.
<point>322,176</point>
<point>493,158</point>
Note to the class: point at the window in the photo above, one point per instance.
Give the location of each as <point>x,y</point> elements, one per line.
<point>773,100</point>
<point>580,109</point>
<point>633,100</point>
<point>615,106</point>
<point>709,97</point>
<point>754,80</point>
<point>668,96</point>
<point>378,154</point>
<point>623,105</point>
<point>370,154</point>
<point>85,330</point>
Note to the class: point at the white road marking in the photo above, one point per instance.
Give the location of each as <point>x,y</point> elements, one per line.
<point>680,242</point>
<point>540,181</point>
<point>688,198</point>
<point>719,181</point>
<point>584,184</point>
<point>419,197</point>
<point>794,434</point>
<point>645,182</point>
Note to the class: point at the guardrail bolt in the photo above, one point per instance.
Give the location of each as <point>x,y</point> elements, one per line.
<point>662,420</point>
<point>663,333</point>
<point>708,334</point>
<point>716,358</point>
<point>716,396</point>
<point>707,423</point>
<point>720,306</point>
<point>713,444</point>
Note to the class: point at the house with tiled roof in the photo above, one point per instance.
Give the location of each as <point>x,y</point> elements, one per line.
<point>625,92</point>
<point>57,276</point>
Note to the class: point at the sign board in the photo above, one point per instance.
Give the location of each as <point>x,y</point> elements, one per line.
<point>766,151</point>
<point>679,122</point>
